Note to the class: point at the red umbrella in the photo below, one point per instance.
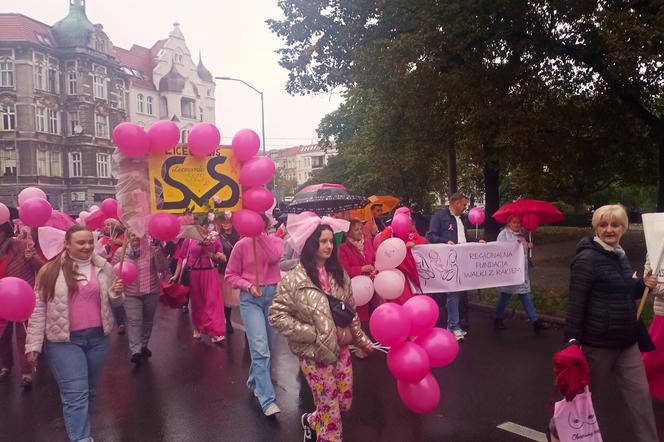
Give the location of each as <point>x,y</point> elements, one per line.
<point>543,212</point>
<point>571,370</point>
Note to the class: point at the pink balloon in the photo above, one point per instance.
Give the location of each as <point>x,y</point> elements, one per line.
<point>257,171</point>
<point>408,362</point>
<point>390,254</point>
<point>441,346</point>
<point>30,192</point>
<point>363,289</point>
<point>164,227</point>
<point>258,199</point>
<point>34,212</point>
<point>421,397</point>
<point>17,299</point>
<point>83,215</point>
<point>245,144</point>
<point>389,324</point>
<point>530,222</point>
<point>4,213</point>
<point>164,135</point>
<point>248,223</point>
<point>129,272</point>
<point>401,225</point>
<point>389,284</point>
<point>204,139</point>
<point>476,216</point>
<point>423,312</point>
<point>110,207</point>
<point>131,139</point>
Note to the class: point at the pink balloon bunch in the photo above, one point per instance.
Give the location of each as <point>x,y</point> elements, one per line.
<point>256,171</point>
<point>409,361</point>
<point>389,281</point>
<point>204,139</point>
<point>109,207</point>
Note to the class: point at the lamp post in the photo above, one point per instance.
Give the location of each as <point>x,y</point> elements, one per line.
<point>262,104</point>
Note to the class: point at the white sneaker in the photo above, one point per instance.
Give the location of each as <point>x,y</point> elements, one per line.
<point>272,409</point>
<point>459,334</point>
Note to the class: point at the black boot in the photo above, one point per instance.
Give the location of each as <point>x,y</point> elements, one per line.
<point>136,358</point>
<point>540,325</point>
<point>229,324</point>
<point>498,324</point>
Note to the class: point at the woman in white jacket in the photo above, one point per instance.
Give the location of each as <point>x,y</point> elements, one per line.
<point>76,293</point>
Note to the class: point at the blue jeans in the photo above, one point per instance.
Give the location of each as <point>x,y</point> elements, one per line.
<point>76,366</point>
<point>259,335</point>
<point>526,300</point>
<point>453,310</point>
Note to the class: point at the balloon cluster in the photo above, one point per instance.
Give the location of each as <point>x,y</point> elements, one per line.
<point>34,210</point>
<point>96,216</point>
<point>133,141</point>
<point>256,171</point>
<point>416,347</point>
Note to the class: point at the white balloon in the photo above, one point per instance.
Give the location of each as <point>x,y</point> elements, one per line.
<point>363,289</point>
<point>390,254</point>
<point>94,208</point>
<point>389,284</point>
<point>83,215</point>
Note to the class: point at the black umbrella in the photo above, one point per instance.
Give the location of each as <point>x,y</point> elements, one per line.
<point>324,199</point>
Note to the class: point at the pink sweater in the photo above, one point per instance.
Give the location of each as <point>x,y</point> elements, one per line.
<point>241,268</point>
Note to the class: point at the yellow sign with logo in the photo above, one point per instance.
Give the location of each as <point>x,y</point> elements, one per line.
<point>180,181</point>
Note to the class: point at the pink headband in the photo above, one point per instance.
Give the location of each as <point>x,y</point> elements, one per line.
<point>300,227</point>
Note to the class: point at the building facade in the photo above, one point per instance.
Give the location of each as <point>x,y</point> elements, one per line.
<point>295,165</point>
<point>64,88</point>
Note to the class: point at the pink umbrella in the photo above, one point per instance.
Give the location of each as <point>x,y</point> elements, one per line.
<point>60,221</point>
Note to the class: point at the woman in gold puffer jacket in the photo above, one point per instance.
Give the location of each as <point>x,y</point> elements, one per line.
<point>302,313</point>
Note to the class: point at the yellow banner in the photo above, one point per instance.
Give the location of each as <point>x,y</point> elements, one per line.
<point>180,181</point>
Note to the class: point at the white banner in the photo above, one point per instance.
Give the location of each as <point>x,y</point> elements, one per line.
<point>445,268</point>
<point>653,229</point>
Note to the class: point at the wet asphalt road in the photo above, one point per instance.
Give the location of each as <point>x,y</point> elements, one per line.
<point>195,391</point>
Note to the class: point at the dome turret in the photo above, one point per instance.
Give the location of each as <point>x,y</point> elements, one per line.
<point>74,30</point>
<point>173,81</point>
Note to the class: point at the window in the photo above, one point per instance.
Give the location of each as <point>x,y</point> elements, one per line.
<point>100,87</point>
<point>6,73</point>
<point>40,113</point>
<point>74,123</point>
<point>56,163</point>
<point>317,162</point>
<point>8,117</point>
<point>163,107</point>
<point>8,162</point>
<point>75,164</point>
<point>72,82</point>
<point>43,168</point>
<point>101,126</point>
<point>52,79</point>
<point>53,121</point>
<point>39,77</point>
<point>148,101</point>
<point>188,108</point>
<point>100,45</point>
<point>140,107</point>
<point>120,94</point>
<point>185,136</point>
<point>200,113</point>
<point>103,165</point>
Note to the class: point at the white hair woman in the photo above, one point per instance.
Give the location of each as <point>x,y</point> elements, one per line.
<point>601,317</point>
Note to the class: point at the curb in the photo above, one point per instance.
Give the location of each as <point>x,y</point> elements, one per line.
<point>490,308</point>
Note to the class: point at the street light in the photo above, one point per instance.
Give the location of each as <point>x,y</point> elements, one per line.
<point>262,105</point>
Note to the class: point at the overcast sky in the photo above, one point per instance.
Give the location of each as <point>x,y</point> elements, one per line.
<point>235,42</point>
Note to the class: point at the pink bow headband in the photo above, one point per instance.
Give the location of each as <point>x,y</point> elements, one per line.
<point>300,227</point>
<point>52,241</point>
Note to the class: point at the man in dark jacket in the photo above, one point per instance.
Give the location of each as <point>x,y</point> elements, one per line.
<point>447,227</point>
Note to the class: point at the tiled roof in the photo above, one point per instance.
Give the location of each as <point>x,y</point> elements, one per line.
<point>291,151</point>
<point>18,27</point>
<point>140,60</point>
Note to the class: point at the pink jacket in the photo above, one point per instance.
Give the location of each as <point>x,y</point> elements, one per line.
<point>241,268</point>
<point>352,260</point>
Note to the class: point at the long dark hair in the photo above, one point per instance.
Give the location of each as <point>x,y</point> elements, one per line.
<point>308,258</point>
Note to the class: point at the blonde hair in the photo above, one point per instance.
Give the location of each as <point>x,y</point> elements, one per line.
<point>609,213</point>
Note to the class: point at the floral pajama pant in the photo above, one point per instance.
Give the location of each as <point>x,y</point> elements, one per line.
<point>332,388</point>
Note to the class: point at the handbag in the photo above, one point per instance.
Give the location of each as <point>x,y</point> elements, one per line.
<point>575,420</point>
<point>342,313</point>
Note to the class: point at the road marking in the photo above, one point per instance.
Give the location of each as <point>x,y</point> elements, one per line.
<point>526,432</point>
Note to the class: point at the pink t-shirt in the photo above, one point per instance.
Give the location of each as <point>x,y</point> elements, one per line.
<point>85,305</point>
<point>324,280</point>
